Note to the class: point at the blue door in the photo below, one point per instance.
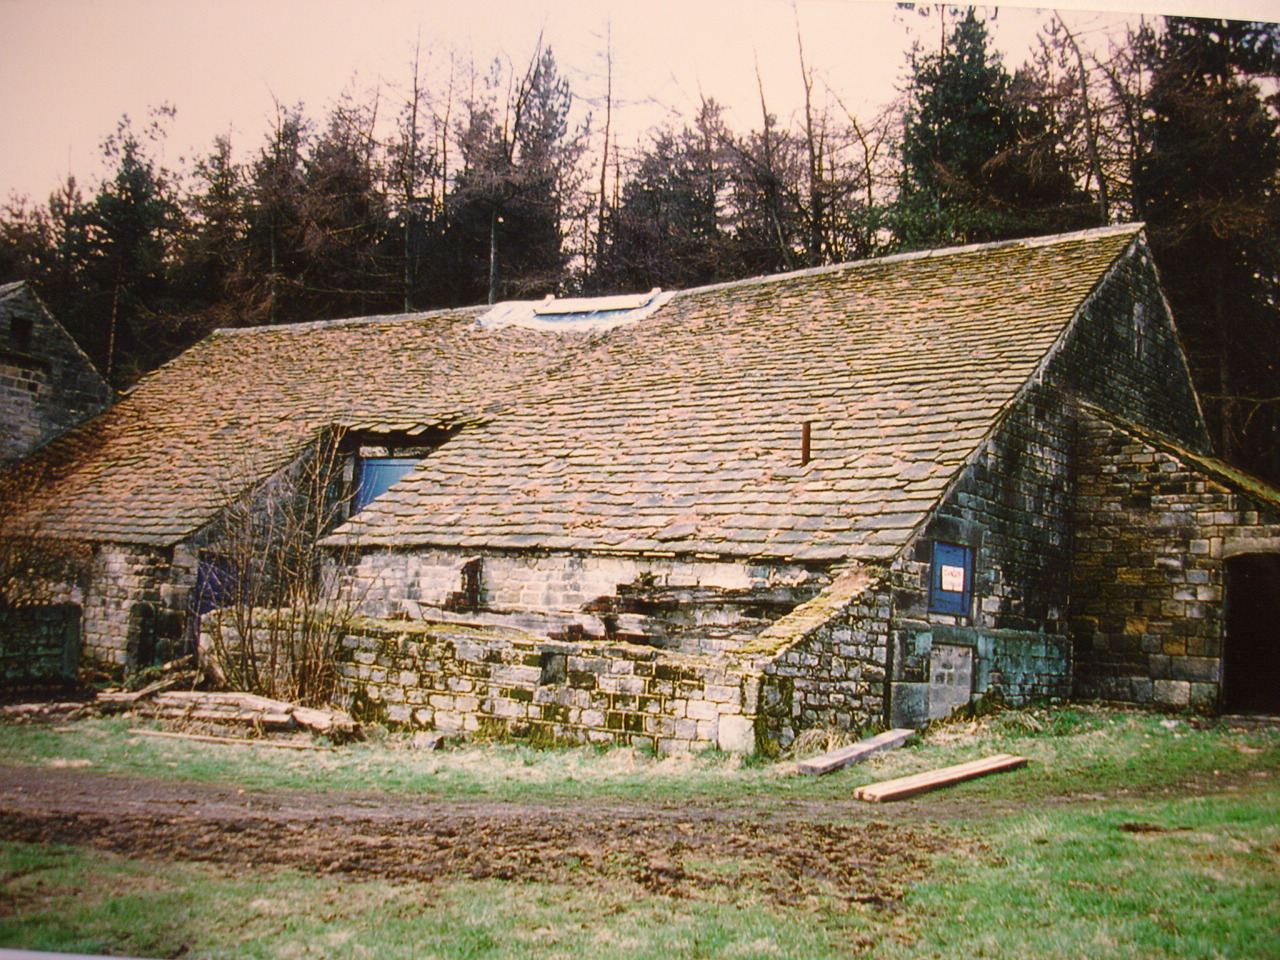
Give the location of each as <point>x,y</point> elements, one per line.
<point>951,579</point>
<point>377,474</point>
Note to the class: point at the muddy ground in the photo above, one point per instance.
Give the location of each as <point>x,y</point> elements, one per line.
<point>850,851</point>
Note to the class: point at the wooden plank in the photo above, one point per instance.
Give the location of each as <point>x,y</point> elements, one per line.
<point>239,741</point>
<point>904,787</point>
<point>280,721</point>
<point>817,766</point>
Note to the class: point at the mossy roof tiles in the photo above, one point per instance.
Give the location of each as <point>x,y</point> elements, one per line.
<point>680,432</point>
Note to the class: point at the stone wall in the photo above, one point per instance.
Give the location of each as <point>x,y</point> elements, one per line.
<point>47,384</point>
<point>1153,528</point>
<point>39,642</point>
<point>691,606</point>
<point>1124,355</point>
<point>455,677</point>
<point>1012,507</point>
<point>825,664</point>
<point>136,603</point>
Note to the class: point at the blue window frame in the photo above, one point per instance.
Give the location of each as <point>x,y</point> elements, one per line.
<point>377,474</point>
<point>951,579</point>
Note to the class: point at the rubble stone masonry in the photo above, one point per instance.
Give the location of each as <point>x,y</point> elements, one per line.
<point>39,641</point>
<point>1152,532</point>
<point>475,679</point>
<point>47,384</point>
<point>824,665</point>
<point>131,587</point>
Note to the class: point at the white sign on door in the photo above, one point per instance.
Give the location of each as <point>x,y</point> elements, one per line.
<point>952,579</point>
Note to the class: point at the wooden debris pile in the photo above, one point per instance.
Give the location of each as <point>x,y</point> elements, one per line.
<point>115,701</point>
<point>174,700</point>
<point>53,712</point>
<point>260,714</point>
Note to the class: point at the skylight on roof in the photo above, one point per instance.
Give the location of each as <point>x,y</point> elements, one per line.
<point>575,313</point>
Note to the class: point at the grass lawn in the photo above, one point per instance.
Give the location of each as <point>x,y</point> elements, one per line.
<point>1129,835</point>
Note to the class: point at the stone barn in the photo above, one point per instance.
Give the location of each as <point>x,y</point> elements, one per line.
<point>47,383</point>
<point>849,496</point>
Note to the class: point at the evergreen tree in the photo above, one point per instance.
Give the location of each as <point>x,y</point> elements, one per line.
<point>345,221</point>
<point>666,230</point>
<point>1207,187</point>
<point>768,215</point>
<point>509,200</point>
<point>275,224</point>
<point>979,162</point>
<point>212,250</point>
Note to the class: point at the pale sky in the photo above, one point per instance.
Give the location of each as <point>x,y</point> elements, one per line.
<point>72,67</point>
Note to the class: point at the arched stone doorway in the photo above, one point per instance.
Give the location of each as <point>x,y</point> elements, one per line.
<point>1251,648</point>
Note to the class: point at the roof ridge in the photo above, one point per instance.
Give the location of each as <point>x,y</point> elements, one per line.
<point>349,321</point>
<point>1025,242</point>
<point>933,252</point>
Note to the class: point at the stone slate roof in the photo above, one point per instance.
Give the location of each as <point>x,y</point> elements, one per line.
<point>242,404</point>
<point>683,432</point>
<point>679,433</point>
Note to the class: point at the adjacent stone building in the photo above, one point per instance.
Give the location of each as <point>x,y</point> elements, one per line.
<point>47,383</point>
<point>848,496</point>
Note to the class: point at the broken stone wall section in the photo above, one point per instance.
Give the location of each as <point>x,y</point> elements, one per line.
<point>459,678</point>
<point>683,604</point>
<point>824,664</point>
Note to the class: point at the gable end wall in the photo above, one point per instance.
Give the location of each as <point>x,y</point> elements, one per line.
<point>1123,355</point>
<point>1012,506</point>
<point>46,388</point>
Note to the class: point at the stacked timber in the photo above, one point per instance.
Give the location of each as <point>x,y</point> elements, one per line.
<point>246,709</point>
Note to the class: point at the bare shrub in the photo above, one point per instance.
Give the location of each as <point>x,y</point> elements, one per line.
<point>285,610</point>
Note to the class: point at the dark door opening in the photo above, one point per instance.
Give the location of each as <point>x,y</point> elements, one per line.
<point>1251,647</point>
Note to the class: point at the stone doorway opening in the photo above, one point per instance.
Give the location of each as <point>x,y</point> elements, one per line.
<point>1251,647</point>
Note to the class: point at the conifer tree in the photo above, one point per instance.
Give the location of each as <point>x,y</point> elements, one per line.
<point>667,231</point>
<point>1207,185</point>
<point>978,160</point>
<point>509,200</point>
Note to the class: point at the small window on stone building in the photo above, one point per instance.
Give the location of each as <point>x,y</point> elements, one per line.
<point>1141,326</point>
<point>20,329</point>
<point>951,579</point>
<point>471,593</point>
